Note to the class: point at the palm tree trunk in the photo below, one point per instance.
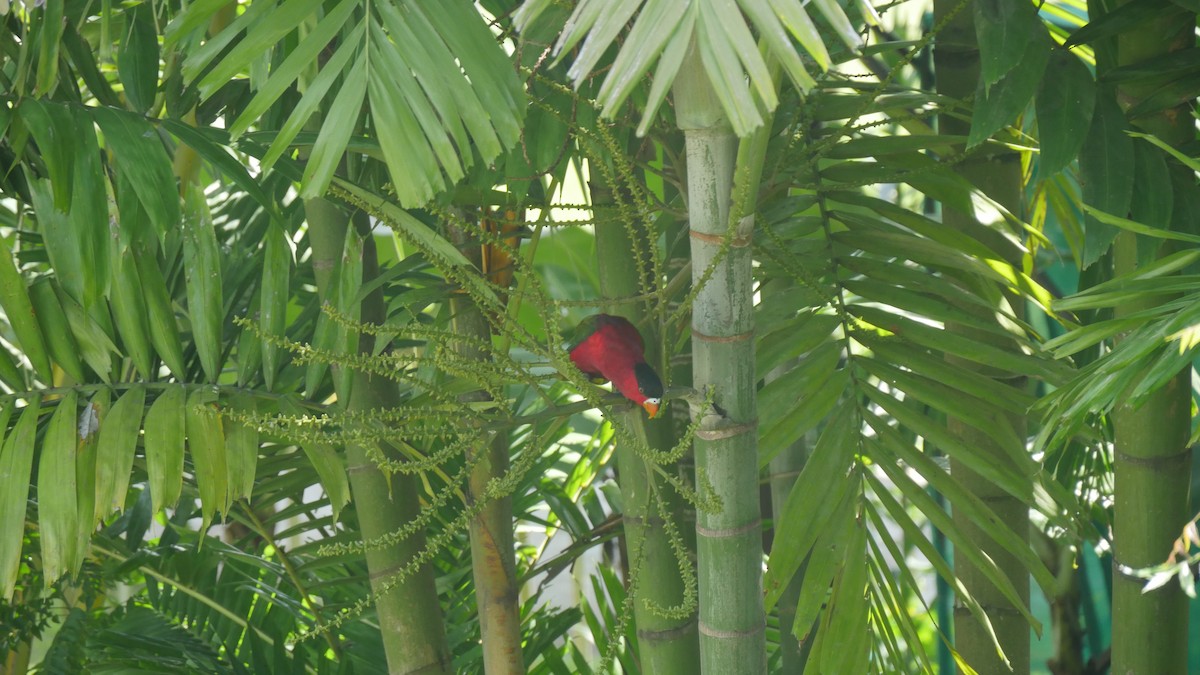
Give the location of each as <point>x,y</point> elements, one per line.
<point>956,62</point>
<point>492,555</point>
<point>729,536</point>
<point>666,644</point>
<point>1151,459</point>
<point>410,617</point>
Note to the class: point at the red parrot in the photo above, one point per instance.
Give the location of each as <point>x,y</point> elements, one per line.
<point>607,347</point>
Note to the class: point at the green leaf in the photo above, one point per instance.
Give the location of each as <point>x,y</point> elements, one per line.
<point>799,24</point>
<point>1065,102</point>
<point>843,644</point>
<point>328,463</point>
<point>412,140</point>
<point>1000,104</point>
<point>90,420</point>
<point>828,554</point>
<point>1160,66</point>
<point>58,512</point>
<point>298,60</point>
<point>1105,175</point>
<point>793,339</point>
<point>206,442</point>
<point>49,36</point>
<point>896,453</point>
<point>127,298</point>
<point>817,491</point>
<point>115,450</point>
<point>1124,18</point>
<point>90,216</point>
<point>441,252</point>
<point>668,68</point>
<point>143,160</point>
<point>18,309</point>
<point>47,123</point>
<point>202,268</point>
<point>868,145</point>
<point>338,125</point>
<point>163,444</point>
<point>16,465</point>
<point>484,64</point>
<point>909,329</point>
<point>314,94</point>
<point>261,37</point>
<point>1172,94</point>
<point>1004,31</point>
<point>95,345</point>
<point>137,57</point>
<point>194,16</point>
<point>347,302</point>
<point>820,398</point>
<point>60,340</point>
<point>218,155</point>
<point>164,331</point>
<point>241,443</point>
<point>919,498</point>
<point>1137,227</point>
<point>273,303</point>
<point>725,69</point>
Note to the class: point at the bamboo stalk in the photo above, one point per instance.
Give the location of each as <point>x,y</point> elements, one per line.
<point>1151,459</point>
<point>493,564</point>
<point>666,644</point>
<point>410,616</point>
<point>956,61</point>
<point>729,538</point>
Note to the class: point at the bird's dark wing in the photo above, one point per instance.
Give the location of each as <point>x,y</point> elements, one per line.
<point>583,331</point>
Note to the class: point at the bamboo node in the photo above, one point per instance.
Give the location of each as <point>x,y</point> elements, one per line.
<point>719,239</point>
<point>709,631</point>
<point>1160,461</point>
<point>755,524</point>
<point>727,432</point>
<point>739,337</point>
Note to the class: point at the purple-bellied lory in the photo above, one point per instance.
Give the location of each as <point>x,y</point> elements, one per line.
<point>607,347</point>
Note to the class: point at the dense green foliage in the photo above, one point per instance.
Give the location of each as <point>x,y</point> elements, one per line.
<point>283,284</point>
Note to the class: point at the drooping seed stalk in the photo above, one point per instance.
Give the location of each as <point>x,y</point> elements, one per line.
<point>667,644</point>
<point>410,617</point>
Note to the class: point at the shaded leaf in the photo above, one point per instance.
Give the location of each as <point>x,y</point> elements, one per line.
<point>1065,102</point>
<point>115,450</point>
<point>163,444</point>
<point>58,513</point>
<point>16,465</point>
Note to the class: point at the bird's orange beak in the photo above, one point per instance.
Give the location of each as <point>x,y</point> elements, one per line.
<point>651,407</point>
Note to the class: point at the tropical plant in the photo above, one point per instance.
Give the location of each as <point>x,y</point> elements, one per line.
<point>298,269</point>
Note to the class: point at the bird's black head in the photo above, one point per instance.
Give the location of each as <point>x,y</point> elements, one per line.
<point>648,382</point>
<point>650,386</point>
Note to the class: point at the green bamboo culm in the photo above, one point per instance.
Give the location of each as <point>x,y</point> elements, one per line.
<point>998,174</point>
<point>667,645</point>
<point>729,537</point>
<point>1151,458</point>
<point>410,617</point>
<point>493,562</point>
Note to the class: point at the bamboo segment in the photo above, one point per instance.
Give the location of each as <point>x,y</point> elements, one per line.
<point>410,617</point>
<point>493,562</point>
<point>729,539</point>
<point>665,644</point>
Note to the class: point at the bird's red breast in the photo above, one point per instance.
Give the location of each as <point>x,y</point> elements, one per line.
<point>610,347</point>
